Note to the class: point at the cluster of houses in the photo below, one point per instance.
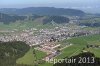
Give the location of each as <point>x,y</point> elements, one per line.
<point>45,39</point>
<point>49,48</point>
<point>44,35</point>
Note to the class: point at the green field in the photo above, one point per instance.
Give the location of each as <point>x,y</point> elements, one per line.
<point>78,44</point>
<point>95,51</point>
<point>83,41</point>
<point>29,58</point>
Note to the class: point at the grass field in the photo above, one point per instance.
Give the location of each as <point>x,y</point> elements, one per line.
<point>78,44</point>
<point>95,51</point>
<point>28,58</point>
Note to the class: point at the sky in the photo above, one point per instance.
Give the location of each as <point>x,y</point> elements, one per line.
<point>77,4</point>
<point>48,3</point>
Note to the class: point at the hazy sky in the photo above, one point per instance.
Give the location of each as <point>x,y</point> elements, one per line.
<point>49,3</point>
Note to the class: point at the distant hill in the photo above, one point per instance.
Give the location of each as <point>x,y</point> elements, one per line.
<point>29,21</point>
<point>43,11</point>
<point>6,18</point>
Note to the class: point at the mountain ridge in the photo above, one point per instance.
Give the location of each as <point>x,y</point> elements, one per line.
<point>43,11</point>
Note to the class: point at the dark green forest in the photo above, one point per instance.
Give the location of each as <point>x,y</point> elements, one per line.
<point>56,19</point>
<point>6,18</point>
<point>11,51</point>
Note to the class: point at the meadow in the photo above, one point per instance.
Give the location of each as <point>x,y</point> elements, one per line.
<point>29,57</point>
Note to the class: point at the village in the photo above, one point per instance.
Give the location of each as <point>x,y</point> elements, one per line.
<point>45,39</point>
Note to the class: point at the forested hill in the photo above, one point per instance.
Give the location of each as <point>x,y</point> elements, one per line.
<point>43,11</point>
<point>7,19</point>
<point>11,51</point>
<point>56,19</point>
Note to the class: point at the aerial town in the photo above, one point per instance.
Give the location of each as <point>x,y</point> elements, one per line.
<point>46,39</point>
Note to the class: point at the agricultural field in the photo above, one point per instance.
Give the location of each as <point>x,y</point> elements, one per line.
<point>29,57</point>
<point>81,42</point>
